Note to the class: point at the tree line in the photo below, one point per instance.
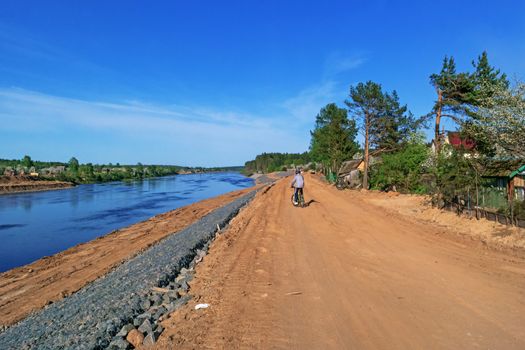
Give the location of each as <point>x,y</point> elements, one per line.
<point>270,162</point>
<point>74,171</point>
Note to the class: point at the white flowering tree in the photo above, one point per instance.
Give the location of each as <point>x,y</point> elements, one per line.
<point>501,118</point>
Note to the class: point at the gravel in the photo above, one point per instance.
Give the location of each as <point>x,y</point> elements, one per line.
<point>92,317</point>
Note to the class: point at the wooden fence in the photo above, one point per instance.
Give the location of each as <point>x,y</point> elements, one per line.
<point>480,213</point>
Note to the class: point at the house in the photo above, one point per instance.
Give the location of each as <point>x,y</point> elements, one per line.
<point>54,170</point>
<point>350,165</point>
<point>350,171</point>
<point>456,141</point>
<point>507,176</point>
<point>459,143</point>
<point>9,171</point>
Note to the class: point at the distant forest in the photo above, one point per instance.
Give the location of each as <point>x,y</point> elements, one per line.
<point>269,162</point>
<point>74,171</point>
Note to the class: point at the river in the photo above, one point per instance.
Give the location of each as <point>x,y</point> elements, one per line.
<point>38,224</point>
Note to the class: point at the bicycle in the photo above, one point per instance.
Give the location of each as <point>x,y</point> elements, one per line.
<point>300,201</point>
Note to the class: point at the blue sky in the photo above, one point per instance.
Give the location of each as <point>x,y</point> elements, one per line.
<point>216,82</point>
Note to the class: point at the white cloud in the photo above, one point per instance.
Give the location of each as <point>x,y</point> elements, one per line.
<point>307,103</point>
<point>194,135</point>
<point>337,63</point>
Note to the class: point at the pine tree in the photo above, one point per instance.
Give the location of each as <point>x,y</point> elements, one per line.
<point>394,126</point>
<point>27,162</point>
<point>73,165</point>
<point>333,139</point>
<point>385,124</point>
<point>454,90</point>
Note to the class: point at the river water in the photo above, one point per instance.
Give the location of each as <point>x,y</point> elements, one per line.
<point>38,224</point>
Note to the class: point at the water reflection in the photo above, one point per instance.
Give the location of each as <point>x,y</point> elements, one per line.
<point>33,225</point>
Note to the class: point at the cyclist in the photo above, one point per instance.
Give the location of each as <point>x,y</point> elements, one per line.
<point>298,184</point>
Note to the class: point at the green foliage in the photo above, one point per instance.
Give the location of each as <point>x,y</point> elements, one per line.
<point>73,165</point>
<point>385,124</point>
<point>89,173</point>
<point>333,139</point>
<point>270,162</point>
<point>461,97</point>
<point>139,171</point>
<point>519,209</point>
<point>456,174</point>
<point>393,126</point>
<point>486,78</point>
<point>457,89</point>
<point>403,169</point>
<point>27,162</point>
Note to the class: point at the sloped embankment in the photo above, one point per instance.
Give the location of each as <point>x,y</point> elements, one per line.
<point>33,186</point>
<point>90,318</point>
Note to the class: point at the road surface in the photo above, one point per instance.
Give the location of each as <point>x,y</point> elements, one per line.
<point>344,274</point>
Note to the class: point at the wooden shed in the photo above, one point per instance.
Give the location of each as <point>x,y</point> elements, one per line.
<point>508,175</point>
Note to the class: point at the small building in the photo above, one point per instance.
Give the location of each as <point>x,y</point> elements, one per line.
<point>507,176</point>
<point>459,143</point>
<point>350,165</point>
<point>54,170</point>
<point>456,141</point>
<point>9,172</point>
<point>349,174</point>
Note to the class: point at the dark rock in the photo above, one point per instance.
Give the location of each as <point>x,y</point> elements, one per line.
<point>170,296</point>
<point>103,343</point>
<point>173,286</point>
<point>184,271</point>
<point>158,331</point>
<point>161,311</point>
<point>150,339</point>
<point>178,303</point>
<point>135,303</point>
<point>111,328</point>
<point>146,326</point>
<point>119,344</point>
<point>146,304</point>
<point>156,300</point>
<point>125,330</point>
<point>144,316</point>
<point>185,286</point>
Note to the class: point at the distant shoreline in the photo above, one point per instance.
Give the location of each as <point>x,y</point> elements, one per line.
<point>33,186</point>
<point>25,184</point>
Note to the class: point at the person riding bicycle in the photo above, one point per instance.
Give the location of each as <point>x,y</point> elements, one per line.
<point>298,184</point>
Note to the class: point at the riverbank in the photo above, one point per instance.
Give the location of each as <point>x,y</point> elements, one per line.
<point>132,297</point>
<point>47,280</point>
<point>20,186</point>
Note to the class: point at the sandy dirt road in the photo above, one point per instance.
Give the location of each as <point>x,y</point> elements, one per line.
<point>345,274</point>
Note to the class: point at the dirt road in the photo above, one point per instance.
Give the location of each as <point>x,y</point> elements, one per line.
<point>345,274</point>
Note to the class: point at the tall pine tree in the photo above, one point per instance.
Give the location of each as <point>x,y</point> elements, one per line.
<point>385,124</point>
<point>453,90</point>
<point>333,139</point>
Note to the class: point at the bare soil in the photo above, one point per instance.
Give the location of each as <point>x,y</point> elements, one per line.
<point>491,234</point>
<point>27,184</point>
<point>49,279</point>
<point>349,272</point>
